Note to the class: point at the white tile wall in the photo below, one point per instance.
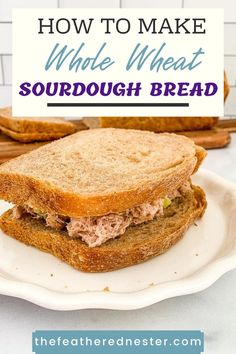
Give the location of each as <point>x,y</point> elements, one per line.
<point>6,6</point>
<point>151,3</point>
<point>230,107</point>
<point>228,5</point>
<point>230,33</point>
<point>230,67</point>
<point>7,65</point>
<point>1,70</point>
<point>5,38</point>
<point>89,3</point>
<point>230,38</point>
<point>5,96</point>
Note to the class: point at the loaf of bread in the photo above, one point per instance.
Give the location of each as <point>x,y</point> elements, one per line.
<point>29,129</point>
<point>159,124</point>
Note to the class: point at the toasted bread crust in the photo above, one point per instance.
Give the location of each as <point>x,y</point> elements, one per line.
<point>136,245</point>
<point>21,188</point>
<point>35,125</point>
<point>31,137</point>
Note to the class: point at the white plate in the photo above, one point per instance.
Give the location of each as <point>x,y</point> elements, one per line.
<point>207,251</point>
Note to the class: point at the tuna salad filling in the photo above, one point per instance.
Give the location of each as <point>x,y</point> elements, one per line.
<point>95,230</point>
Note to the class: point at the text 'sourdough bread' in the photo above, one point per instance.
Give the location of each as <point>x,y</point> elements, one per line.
<point>100,171</point>
<point>160,124</point>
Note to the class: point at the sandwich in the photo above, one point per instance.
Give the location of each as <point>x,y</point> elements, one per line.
<point>34,128</point>
<point>103,199</point>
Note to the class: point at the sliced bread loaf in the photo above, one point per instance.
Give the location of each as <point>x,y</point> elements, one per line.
<point>35,125</point>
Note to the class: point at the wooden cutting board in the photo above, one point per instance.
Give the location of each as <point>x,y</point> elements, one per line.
<point>209,139</point>
<point>10,148</point>
<point>227,125</point>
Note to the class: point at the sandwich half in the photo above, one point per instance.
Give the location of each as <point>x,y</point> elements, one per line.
<point>104,199</point>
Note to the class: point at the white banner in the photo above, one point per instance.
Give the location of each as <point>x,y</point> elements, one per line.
<point>118,62</point>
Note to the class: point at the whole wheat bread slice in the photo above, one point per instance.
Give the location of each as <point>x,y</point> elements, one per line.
<point>31,137</point>
<point>99,171</point>
<point>35,125</point>
<point>137,244</point>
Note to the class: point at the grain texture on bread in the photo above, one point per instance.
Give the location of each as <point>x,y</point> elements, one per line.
<point>31,137</point>
<point>99,171</point>
<point>35,125</point>
<point>159,124</point>
<point>137,244</point>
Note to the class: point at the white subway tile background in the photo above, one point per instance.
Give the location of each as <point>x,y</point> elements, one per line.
<point>6,24</point>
